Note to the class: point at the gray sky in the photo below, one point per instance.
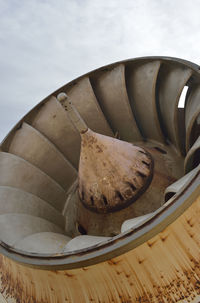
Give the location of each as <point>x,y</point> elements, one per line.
<point>46,43</point>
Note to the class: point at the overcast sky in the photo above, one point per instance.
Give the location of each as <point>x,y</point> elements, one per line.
<point>46,43</point>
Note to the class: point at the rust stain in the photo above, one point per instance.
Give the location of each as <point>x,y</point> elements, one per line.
<point>99,149</point>
<point>101,198</point>
<point>163,238</point>
<point>113,262</point>
<point>169,273</point>
<point>68,274</point>
<point>150,243</point>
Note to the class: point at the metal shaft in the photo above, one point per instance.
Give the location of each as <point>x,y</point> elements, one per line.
<point>73,114</point>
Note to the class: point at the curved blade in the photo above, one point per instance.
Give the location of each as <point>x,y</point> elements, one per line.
<point>193,156</point>
<point>31,145</point>
<point>83,98</point>
<point>141,84</point>
<point>14,200</point>
<point>173,80</point>
<point>16,172</point>
<point>85,241</point>
<point>52,121</point>
<point>14,227</point>
<point>43,242</point>
<point>110,89</point>
<point>179,185</point>
<point>192,111</point>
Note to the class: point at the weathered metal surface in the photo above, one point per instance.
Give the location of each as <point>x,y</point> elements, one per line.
<point>16,172</point>
<point>32,146</point>
<point>14,200</point>
<point>133,223</point>
<point>84,241</point>
<point>142,264</point>
<point>191,114</point>
<point>52,122</point>
<point>177,186</point>
<point>163,217</point>
<point>156,271</point>
<point>112,173</point>
<point>110,89</point>
<point>173,78</point>
<point>141,85</point>
<point>82,96</point>
<point>193,156</point>
<point>14,227</point>
<point>2,299</point>
<point>72,113</point>
<point>167,169</point>
<point>43,242</point>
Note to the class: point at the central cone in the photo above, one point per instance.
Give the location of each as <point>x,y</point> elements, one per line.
<point>112,173</point>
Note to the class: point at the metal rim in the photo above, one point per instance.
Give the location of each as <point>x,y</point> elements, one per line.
<point>125,241</point>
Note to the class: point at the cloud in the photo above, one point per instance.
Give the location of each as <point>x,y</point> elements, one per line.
<point>45,44</point>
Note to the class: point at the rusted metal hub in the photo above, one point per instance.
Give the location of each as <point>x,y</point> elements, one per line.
<point>112,173</point>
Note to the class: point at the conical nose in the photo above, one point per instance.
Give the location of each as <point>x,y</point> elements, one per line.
<point>112,173</point>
